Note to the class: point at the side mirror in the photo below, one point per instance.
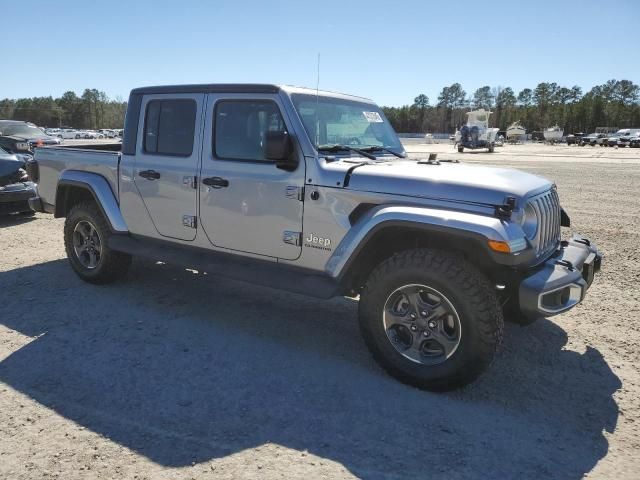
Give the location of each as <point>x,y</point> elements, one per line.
<point>278,146</point>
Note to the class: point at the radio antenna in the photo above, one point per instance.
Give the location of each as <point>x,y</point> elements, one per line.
<point>317,101</point>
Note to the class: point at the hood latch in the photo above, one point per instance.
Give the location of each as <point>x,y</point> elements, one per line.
<point>433,160</point>
<point>504,211</point>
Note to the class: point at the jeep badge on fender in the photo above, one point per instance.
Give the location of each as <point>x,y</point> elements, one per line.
<point>313,240</point>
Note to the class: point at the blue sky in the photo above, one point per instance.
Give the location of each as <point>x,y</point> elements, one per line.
<point>388,51</point>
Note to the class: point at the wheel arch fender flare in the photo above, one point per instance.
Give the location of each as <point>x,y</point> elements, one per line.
<point>99,189</point>
<point>472,227</point>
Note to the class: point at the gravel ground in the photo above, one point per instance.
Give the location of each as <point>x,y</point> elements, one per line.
<point>173,374</point>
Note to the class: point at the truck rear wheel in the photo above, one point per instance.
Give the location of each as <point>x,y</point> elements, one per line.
<point>430,319</point>
<point>86,233</point>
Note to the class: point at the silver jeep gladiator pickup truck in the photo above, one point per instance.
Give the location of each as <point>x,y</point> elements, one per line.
<point>313,193</point>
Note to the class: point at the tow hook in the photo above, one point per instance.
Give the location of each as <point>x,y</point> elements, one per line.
<point>584,241</point>
<point>566,263</point>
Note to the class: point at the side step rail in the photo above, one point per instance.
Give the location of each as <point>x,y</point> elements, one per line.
<point>236,267</point>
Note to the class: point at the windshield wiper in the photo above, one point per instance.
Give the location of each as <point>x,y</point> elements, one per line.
<point>338,147</point>
<point>377,148</point>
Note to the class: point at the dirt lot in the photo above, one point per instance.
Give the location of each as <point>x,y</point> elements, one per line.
<point>173,374</point>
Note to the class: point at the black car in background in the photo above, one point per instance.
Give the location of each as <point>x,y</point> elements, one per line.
<point>537,136</point>
<point>15,187</point>
<point>575,138</point>
<point>22,137</point>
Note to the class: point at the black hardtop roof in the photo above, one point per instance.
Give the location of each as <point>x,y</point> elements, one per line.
<point>209,88</point>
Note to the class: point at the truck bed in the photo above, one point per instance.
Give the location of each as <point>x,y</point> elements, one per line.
<point>52,161</point>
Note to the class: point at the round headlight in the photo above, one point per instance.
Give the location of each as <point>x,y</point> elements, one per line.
<point>529,222</point>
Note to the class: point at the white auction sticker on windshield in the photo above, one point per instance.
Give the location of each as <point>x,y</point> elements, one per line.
<point>373,117</point>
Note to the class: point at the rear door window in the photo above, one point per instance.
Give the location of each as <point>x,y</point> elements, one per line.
<point>169,127</point>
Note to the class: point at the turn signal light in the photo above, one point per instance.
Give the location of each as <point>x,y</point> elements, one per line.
<point>497,246</point>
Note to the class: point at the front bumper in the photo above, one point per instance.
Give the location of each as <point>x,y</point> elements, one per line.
<point>15,198</point>
<point>562,281</point>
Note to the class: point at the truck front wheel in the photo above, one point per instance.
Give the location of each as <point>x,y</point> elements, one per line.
<point>430,319</point>
<point>86,233</point>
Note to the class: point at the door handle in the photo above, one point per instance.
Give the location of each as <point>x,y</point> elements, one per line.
<point>215,182</point>
<point>149,174</point>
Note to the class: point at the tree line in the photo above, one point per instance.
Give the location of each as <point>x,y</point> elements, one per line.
<point>613,104</point>
<point>92,110</point>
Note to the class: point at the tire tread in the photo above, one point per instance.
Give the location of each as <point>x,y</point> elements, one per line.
<point>477,290</point>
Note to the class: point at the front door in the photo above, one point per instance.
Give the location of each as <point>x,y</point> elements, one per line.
<point>166,162</point>
<point>247,204</point>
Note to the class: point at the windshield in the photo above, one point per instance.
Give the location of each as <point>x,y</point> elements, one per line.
<point>334,121</point>
<point>21,130</point>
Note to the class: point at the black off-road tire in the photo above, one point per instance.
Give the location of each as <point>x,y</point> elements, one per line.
<point>112,265</point>
<point>468,290</point>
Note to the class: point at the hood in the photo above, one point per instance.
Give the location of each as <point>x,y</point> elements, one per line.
<point>450,181</point>
<point>9,169</point>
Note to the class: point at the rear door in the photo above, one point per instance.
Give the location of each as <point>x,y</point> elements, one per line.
<point>167,159</point>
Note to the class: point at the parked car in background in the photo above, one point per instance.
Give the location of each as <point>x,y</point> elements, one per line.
<point>90,134</point>
<point>15,187</point>
<point>593,139</point>
<point>70,134</point>
<point>612,138</point>
<point>625,139</point>
<point>574,138</point>
<point>21,137</point>
<point>635,142</point>
<point>107,133</point>
<point>537,136</point>
<point>605,140</point>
